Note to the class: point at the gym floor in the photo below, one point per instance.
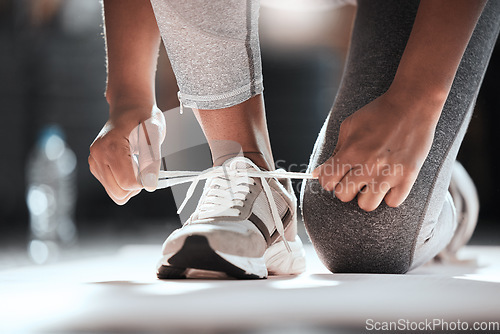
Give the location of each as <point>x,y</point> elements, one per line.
<point>101,289</point>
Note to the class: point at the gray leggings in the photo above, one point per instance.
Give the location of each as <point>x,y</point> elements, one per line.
<point>394,240</point>
<point>213,47</point>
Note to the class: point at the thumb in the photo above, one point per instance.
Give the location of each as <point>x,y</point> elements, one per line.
<point>343,131</point>
<point>149,176</point>
<point>150,137</point>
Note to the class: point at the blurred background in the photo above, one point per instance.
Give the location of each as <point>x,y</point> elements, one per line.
<point>52,71</point>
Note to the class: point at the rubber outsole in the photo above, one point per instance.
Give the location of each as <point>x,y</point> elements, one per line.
<point>196,253</point>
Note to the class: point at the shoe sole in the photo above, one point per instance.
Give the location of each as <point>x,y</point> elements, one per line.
<point>197,259</point>
<point>196,256</point>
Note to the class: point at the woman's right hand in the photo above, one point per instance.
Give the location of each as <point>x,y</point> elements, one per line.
<point>133,131</point>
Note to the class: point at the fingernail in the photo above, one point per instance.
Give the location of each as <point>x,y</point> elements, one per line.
<point>149,181</point>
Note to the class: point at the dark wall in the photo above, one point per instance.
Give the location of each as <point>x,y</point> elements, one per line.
<point>52,70</point>
<point>480,151</point>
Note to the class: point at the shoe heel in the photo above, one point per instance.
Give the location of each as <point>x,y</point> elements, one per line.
<point>280,261</point>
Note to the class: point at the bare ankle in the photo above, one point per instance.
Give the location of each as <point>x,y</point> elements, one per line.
<point>258,158</point>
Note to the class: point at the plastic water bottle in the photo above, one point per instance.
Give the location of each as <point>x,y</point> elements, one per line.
<point>51,196</point>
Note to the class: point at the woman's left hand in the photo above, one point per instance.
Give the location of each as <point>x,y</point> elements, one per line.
<point>380,151</point>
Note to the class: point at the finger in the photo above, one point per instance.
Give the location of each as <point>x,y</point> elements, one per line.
<point>343,133</point>
<point>332,171</point>
<point>350,185</point>
<point>116,154</point>
<point>149,175</point>
<point>112,188</point>
<point>397,195</point>
<point>327,166</point>
<point>127,198</point>
<point>117,194</point>
<point>92,166</point>
<point>94,169</point>
<point>121,165</point>
<point>372,195</point>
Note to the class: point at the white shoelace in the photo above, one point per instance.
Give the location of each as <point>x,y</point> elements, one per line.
<point>229,188</point>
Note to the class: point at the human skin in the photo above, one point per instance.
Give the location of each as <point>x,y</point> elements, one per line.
<point>244,124</point>
<point>394,133</point>
<point>132,43</point>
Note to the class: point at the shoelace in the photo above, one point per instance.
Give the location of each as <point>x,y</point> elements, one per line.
<point>172,178</point>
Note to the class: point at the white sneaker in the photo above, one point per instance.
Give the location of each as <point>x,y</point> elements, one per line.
<point>245,225</point>
<point>466,201</point>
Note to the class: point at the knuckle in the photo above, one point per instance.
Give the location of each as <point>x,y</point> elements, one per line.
<point>112,144</point>
<point>108,153</point>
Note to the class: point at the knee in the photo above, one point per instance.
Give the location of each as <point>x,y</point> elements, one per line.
<point>350,240</point>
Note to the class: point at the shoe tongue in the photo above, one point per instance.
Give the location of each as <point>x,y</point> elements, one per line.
<point>238,163</point>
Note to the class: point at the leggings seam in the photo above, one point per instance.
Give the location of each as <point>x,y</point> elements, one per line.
<point>248,46</point>
<point>436,176</point>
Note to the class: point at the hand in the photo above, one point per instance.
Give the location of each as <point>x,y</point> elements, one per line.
<point>380,151</point>
<point>125,157</point>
